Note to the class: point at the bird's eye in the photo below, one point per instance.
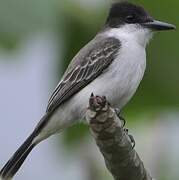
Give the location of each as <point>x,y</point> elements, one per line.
<point>130,18</point>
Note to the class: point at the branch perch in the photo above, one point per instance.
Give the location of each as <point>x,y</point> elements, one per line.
<point>114,142</point>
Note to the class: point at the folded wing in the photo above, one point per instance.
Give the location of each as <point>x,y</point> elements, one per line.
<point>89,63</point>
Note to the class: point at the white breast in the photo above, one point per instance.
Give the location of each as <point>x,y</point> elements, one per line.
<point>127,71</point>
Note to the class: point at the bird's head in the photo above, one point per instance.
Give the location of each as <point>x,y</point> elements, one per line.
<point>133,18</point>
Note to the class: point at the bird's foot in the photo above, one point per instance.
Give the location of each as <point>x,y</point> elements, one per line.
<point>118,112</point>
<point>130,137</point>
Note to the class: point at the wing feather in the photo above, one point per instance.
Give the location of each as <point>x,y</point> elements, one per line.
<point>89,63</point>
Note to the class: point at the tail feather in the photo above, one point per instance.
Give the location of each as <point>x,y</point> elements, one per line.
<point>15,162</point>
<point>18,164</point>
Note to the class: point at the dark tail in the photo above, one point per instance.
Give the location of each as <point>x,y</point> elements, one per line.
<point>15,162</point>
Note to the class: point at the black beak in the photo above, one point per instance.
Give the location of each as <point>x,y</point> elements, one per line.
<point>158,25</point>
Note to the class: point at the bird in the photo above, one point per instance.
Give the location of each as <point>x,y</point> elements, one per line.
<point>111,64</point>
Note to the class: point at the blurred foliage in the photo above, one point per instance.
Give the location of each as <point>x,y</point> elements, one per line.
<point>75,135</point>
<point>19,18</point>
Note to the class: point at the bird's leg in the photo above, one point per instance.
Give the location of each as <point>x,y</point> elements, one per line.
<point>130,137</point>
<point>118,112</point>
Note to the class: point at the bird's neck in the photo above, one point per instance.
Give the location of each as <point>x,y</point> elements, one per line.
<point>130,34</point>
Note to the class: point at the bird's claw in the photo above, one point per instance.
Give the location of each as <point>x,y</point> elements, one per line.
<point>130,137</point>
<point>123,120</point>
<point>118,112</point>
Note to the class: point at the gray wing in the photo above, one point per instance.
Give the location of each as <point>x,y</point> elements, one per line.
<point>89,63</point>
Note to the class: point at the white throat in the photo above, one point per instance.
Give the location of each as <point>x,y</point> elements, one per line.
<point>132,33</point>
